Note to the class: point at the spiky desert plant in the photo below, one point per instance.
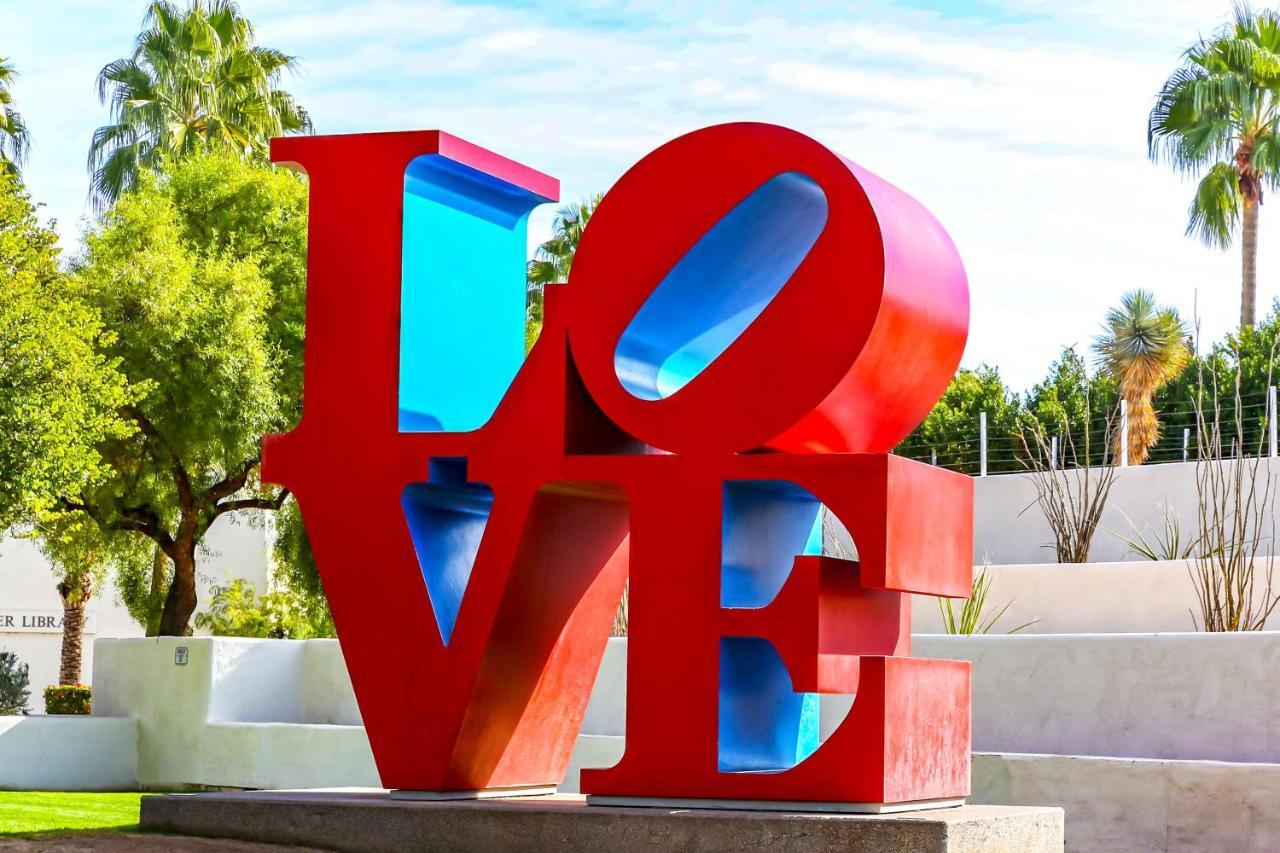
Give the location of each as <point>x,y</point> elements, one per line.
<point>973,618</point>
<point>1143,346</point>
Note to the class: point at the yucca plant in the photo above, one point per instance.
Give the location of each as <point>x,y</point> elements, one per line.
<point>1143,346</point>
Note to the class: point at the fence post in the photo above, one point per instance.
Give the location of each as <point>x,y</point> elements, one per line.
<point>1124,433</point>
<point>1053,453</point>
<point>933,458</point>
<point>982,444</point>
<point>1271,421</point>
<point>1186,442</point>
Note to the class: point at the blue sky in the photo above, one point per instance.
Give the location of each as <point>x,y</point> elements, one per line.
<point>1020,123</point>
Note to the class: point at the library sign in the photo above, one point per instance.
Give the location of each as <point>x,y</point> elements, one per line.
<point>25,621</point>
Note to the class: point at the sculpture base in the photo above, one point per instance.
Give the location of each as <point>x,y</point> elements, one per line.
<point>369,820</point>
<point>482,794</point>
<point>771,805</point>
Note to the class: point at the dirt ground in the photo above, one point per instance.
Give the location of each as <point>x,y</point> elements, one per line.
<point>128,842</point>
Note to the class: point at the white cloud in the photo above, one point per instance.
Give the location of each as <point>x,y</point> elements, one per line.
<point>511,40</point>
<point>707,86</point>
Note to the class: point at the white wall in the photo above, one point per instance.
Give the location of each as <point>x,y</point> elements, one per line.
<point>1123,805</point>
<point>236,548</point>
<point>1178,696</point>
<point>68,754</point>
<point>1009,526</point>
<point>1143,596</point>
<point>239,713</point>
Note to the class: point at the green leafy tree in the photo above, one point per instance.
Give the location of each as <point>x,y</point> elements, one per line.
<point>554,258</point>
<point>294,570</point>
<point>1248,355</point>
<point>1144,347</point>
<point>1217,115</point>
<point>60,389</point>
<point>14,138</point>
<point>951,429</point>
<point>1074,406</point>
<point>199,272</point>
<point>196,81</point>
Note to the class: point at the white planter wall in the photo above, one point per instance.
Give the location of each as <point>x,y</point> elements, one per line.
<point>1138,596</point>
<point>239,713</point>
<point>73,753</point>
<point>1125,805</point>
<point>1181,696</point>
<point>1009,527</point>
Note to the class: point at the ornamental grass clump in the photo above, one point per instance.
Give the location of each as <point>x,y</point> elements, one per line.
<point>972,619</point>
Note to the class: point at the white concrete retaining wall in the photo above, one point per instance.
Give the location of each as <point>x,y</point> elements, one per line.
<point>1125,805</point>
<point>1178,696</point>
<point>72,753</point>
<point>239,713</point>
<point>1141,596</point>
<point>1009,527</point>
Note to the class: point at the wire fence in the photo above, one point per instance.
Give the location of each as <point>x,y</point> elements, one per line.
<point>1245,427</point>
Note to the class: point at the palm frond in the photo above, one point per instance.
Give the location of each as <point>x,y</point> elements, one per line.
<point>195,82</point>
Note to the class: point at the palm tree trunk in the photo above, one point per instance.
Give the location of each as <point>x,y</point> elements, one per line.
<point>1144,427</point>
<point>75,595</point>
<point>1249,260</point>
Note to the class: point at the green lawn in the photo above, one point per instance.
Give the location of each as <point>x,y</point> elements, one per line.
<point>29,812</point>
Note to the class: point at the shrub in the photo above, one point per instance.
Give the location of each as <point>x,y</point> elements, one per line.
<point>236,610</point>
<point>15,684</point>
<point>68,699</point>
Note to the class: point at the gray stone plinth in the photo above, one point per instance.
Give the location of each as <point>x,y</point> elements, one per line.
<point>368,820</point>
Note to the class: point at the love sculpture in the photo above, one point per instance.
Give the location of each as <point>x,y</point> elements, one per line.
<point>751,324</point>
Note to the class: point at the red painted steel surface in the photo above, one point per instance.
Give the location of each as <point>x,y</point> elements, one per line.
<point>837,368</point>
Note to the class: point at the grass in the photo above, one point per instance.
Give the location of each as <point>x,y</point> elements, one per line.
<point>33,812</point>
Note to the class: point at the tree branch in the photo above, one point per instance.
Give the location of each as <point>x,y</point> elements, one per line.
<point>252,503</point>
<point>231,484</point>
<point>136,519</point>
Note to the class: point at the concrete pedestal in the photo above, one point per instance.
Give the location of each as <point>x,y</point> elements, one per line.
<point>369,820</point>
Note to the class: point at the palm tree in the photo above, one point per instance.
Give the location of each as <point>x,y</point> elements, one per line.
<point>1143,346</point>
<point>554,258</point>
<point>1218,111</point>
<point>195,81</point>
<point>14,139</point>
